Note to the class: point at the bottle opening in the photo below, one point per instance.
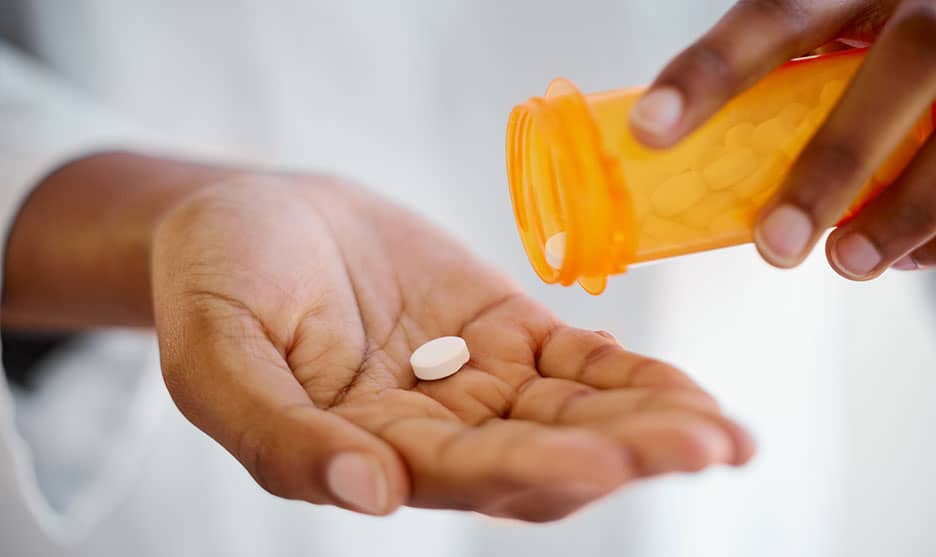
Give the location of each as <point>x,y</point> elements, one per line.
<point>563,182</point>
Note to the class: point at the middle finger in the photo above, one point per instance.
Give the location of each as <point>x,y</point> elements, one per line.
<point>894,87</point>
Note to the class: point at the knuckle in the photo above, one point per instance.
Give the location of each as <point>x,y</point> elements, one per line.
<point>257,457</point>
<point>829,165</point>
<point>290,473</point>
<point>707,62</point>
<point>915,218</point>
<point>839,159</point>
<point>598,354</point>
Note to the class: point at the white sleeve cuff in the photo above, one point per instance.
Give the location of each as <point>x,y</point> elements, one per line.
<point>44,124</point>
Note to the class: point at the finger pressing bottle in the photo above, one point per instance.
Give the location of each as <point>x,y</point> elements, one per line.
<point>579,177</point>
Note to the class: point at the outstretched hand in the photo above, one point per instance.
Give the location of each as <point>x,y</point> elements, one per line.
<point>287,309</point>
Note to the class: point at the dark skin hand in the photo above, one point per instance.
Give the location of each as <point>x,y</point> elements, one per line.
<point>286,309</point>
<point>894,87</point>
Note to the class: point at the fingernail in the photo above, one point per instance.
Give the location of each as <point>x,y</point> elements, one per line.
<point>359,481</point>
<point>659,110</point>
<point>784,234</point>
<point>905,263</point>
<point>855,255</point>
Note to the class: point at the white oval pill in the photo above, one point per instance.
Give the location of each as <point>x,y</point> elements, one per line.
<point>439,358</point>
<point>555,250</point>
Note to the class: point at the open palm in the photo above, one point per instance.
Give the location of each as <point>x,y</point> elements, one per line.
<point>287,309</point>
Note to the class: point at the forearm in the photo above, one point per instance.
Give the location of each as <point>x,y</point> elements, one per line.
<point>78,254</point>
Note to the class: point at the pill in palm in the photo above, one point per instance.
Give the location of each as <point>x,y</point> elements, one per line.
<point>439,358</point>
<point>555,250</point>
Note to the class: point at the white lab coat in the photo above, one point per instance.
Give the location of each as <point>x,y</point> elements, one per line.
<point>411,98</point>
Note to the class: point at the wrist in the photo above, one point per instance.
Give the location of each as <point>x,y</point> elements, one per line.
<point>78,254</point>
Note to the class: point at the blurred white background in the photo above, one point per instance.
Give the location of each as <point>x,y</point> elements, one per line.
<point>835,379</point>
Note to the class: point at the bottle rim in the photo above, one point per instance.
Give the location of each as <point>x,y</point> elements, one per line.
<point>563,180</point>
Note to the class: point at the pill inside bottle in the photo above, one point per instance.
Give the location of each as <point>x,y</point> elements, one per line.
<point>555,250</point>
<point>575,168</point>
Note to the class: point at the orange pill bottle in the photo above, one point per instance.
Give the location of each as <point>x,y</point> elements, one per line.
<point>575,169</point>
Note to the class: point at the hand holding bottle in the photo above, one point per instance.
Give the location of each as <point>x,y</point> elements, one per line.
<point>894,87</point>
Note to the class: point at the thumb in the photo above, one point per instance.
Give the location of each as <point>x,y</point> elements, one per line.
<point>301,452</point>
<point>229,380</point>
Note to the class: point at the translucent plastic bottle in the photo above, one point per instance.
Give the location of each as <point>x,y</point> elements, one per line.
<point>574,167</point>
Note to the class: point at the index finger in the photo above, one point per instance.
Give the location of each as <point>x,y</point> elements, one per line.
<point>751,39</point>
